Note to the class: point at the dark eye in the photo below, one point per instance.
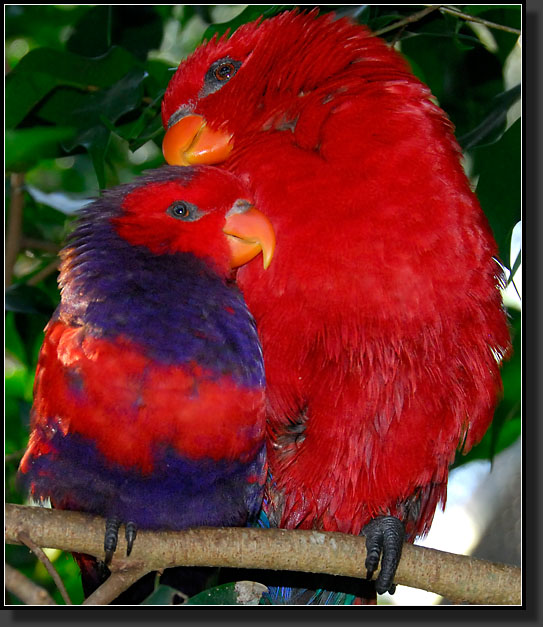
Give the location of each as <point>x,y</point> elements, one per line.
<point>225,71</point>
<point>183,210</point>
<point>218,74</point>
<point>179,210</point>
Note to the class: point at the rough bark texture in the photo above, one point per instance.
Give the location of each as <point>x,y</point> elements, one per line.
<point>458,577</point>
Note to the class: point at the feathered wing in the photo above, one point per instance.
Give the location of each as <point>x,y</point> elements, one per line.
<point>381,318</point>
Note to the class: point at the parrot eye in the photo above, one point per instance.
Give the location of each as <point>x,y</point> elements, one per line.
<point>218,74</point>
<point>182,210</point>
<point>225,71</point>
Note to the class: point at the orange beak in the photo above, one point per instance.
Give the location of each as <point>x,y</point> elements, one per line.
<point>249,232</point>
<point>190,141</point>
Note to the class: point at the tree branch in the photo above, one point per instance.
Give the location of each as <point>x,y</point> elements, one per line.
<point>479,20</point>
<point>38,244</point>
<point>410,19</point>
<point>25,589</point>
<point>39,553</point>
<point>457,577</point>
<point>416,17</point>
<point>119,581</point>
<point>14,226</point>
<point>44,272</point>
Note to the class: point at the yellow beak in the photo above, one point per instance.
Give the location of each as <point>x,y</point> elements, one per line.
<point>249,232</point>
<point>190,141</point>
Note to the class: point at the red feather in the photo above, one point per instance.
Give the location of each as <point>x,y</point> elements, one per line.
<point>142,402</point>
<point>149,393</point>
<point>381,319</point>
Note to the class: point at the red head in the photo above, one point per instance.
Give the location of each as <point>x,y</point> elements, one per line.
<point>201,210</point>
<point>262,77</point>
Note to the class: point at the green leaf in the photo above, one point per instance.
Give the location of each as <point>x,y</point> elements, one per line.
<point>85,110</point>
<point>96,140</point>
<point>15,379</point>
<point>43,69</point>
<point>28,299</point>
<point>151,130</point>
<point>13,342</point>
<point>480,9</point>
<point>377,17</point>
<point>42,222</point>
<point>136,28</point>
<point>252,12</point>
<point>162,595</point>
<point>26,147</point>
<point>235,593</point>
<point>462,74</point>
<point>489,130</point>
<point>91,36</point>
<point>504,15</point>
<point>42,24</point>
<point>88,112</point>
<point>160,72</point>
<point>499,184</point>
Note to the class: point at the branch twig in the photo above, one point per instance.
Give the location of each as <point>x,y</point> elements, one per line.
<point>40,554</point>
<point>430,8</point>
<point>38,244</point>
<point>478,20</point>
<point>25,589</point>
<point>457,577</point>
<point>117,582</point>
<point>414,17</point>
<point>14,226</point>
<point>44,272</point>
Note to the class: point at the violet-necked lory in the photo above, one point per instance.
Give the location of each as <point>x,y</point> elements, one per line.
<point>381,318</point>
<point>149,392</point>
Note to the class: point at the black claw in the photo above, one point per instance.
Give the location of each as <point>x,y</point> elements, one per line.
<point>111,537</point>
<point>131,531</point>
<point>374,543</point>
<point>385,536</point>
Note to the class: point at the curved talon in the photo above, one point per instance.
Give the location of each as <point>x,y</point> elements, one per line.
<point>110,538</point>
<point>130,534</point>
<point>384,537</point>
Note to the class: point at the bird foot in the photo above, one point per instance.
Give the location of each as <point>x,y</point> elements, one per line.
<point>385,536</point>
<point>112,534</point>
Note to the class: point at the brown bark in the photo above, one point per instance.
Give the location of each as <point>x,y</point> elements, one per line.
<point>459,578</point>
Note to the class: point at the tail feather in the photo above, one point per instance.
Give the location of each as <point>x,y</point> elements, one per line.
<point>299,596</point>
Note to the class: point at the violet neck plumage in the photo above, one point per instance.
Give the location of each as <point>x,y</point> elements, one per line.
<point>173,305</point>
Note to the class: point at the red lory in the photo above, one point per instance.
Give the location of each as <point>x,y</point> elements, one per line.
<point>149,392</point>
<point>381,318</point>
